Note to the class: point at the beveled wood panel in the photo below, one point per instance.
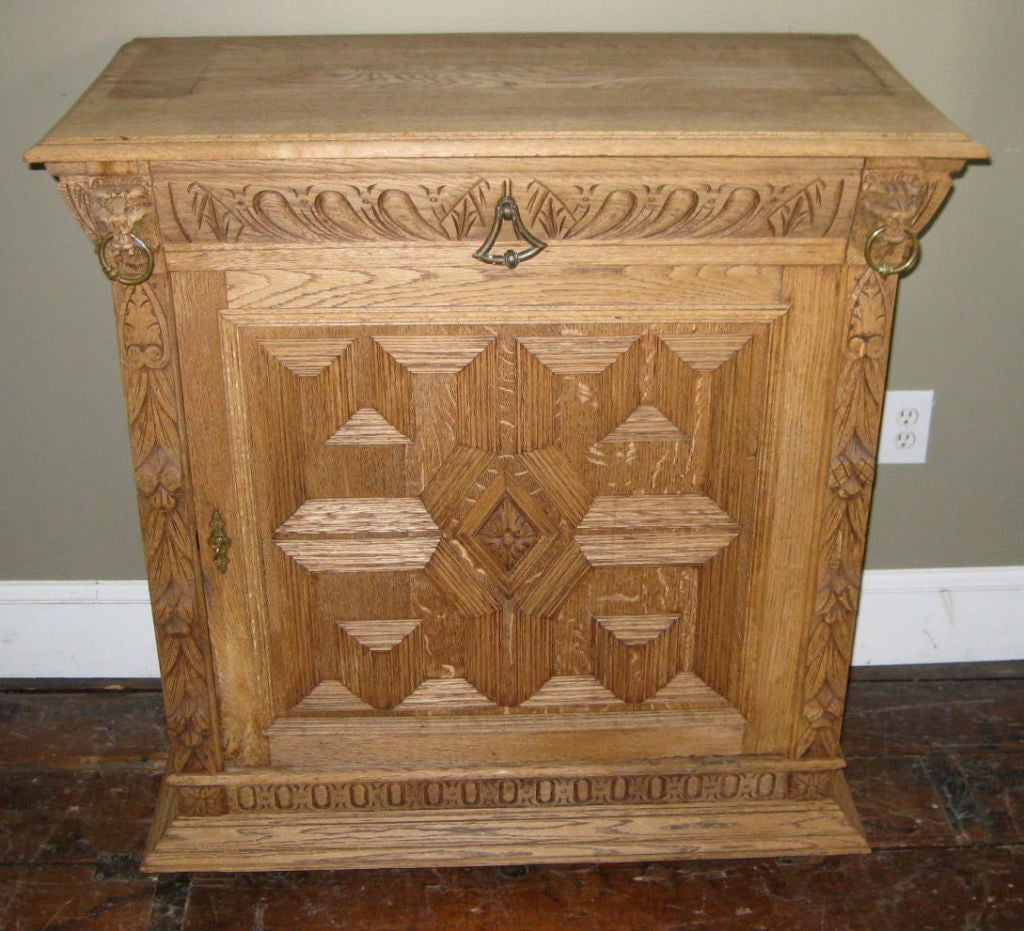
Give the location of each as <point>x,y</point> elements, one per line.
<point>645,530</point>
<point>359,534</point>
<point>495,516</point>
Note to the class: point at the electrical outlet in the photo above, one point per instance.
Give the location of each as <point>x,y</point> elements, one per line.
<point>906,419</point>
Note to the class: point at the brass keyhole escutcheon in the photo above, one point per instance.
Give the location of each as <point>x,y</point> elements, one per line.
<point>219,541</point>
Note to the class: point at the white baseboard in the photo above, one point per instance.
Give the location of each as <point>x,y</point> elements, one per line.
<point>910,616</point>
<point>84,630</point>
<point>76,630</point>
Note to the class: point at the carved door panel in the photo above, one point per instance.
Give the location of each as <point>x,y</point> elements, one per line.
<point>516,521</point>
<point>483,518</point>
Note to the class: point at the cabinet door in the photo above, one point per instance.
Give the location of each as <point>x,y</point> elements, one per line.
<point>506,510</point>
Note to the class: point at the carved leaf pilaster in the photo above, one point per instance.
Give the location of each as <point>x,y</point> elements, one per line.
<point>149,372</point>
<point>901,197</point>
<point>116,211</point>
<point>861,387</point>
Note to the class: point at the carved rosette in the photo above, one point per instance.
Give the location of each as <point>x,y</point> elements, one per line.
<point>201,801</point>
<point>900,198</point>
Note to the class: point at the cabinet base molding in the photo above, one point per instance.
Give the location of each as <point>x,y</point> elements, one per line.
<point>645,811</point>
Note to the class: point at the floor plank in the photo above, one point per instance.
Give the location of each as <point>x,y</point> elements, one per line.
<point>74,816</point>
<point>904,718</point>
<point>64,897</point>
<point>81,729</point>
<point>899,803</point>
<point>932,889</point>
<point>936,767</point>
<point>983,794</point>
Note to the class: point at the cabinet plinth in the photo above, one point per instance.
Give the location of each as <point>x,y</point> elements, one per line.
<point>503,450</point>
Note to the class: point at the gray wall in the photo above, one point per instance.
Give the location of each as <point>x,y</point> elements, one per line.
<point>65,483</point>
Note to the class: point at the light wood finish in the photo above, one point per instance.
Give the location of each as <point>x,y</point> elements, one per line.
<point>628,833</point>
<point>457,741</point>
<point>330,96</point>
<point>558,563</point>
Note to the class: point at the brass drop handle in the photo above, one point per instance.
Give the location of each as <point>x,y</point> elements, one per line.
<point>113,272</point>
<point>508,209</point>
<point>884,268</point>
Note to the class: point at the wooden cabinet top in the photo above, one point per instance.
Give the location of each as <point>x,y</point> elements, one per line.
<point>477,95</point>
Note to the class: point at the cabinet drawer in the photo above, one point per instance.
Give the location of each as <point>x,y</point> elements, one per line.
<point>450,205</point>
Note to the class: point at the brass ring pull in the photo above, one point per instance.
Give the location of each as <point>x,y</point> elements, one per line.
<point>114,273</point>
<point>507,209</point>
<point>884,268</point>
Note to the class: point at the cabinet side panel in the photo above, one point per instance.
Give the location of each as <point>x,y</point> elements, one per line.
<point>860,388</point>
<point>149,369</point>
<point>899,198</point>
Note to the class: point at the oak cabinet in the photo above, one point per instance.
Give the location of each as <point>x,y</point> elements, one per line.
<point>503,413</point>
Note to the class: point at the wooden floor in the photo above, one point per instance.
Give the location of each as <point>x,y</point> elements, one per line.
<point>936,767</point>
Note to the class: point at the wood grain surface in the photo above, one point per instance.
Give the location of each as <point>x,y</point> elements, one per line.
<point>295,97</point>
<point>558,563</point>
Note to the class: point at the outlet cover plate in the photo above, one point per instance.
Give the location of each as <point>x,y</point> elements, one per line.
<point>906,423</point>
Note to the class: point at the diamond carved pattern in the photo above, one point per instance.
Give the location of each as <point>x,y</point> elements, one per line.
<point>513,534</point>
<point>518,506</point>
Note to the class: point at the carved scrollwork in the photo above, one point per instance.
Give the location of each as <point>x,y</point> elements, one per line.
<point>208,212</point>
<point>254,213</point>
<point>651,211</point>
